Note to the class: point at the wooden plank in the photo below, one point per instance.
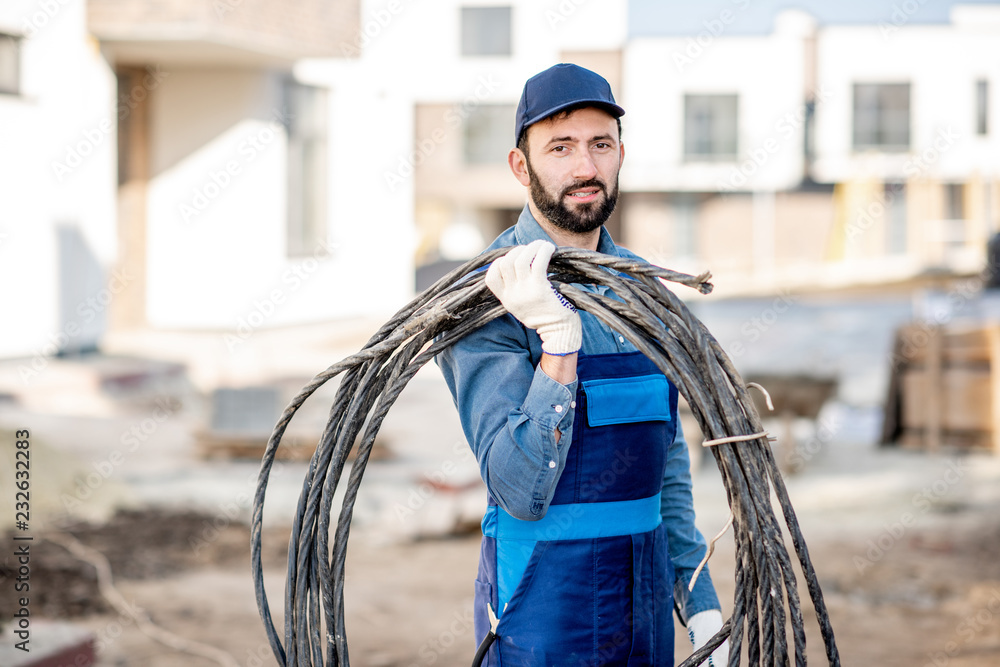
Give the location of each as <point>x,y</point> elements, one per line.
<point>961,345</point>
<point>964,395</point>
<point>964,345</point>
<point>945,388</point>
<point>913,341</point>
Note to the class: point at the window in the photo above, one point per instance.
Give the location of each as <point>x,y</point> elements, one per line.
<point>895,235</point>
<point>954,201</point>
<point>954,214</point>
<point>685,210</point>
<point>486,31</point>
<point>487,133</point>
<point>882,116</point>
<point>305,120</point>
<point>10,64</point>
<point>710,127</point>
<point>982,107</point>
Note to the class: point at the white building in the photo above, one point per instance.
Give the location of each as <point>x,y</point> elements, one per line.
<point>227,168</point>
<point>912,126</point>
<point>170,173</point>
<point>58,242</point>
<point>454,71</point>
<point>816,156</point>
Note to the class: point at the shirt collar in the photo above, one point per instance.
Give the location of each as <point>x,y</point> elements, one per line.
<point>527,230</point>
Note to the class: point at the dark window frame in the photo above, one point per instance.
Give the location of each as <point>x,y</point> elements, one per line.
<point>15,41</point>
<point>876,116</point>
<point>474,18</point>
<point>685,210</point>
<point>488,149</point>
<point>982,107</point>
<point>711,143</point>
<point>307,160</point>
<point>954,201</point>
<point>897,232</point>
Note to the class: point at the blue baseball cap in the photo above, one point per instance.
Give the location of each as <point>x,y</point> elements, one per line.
<point>559,87</point>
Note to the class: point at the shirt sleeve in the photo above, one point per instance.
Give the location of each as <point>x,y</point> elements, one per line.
<point>510,411</point>
<point>685,542</point>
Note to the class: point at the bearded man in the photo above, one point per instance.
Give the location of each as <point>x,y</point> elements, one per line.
<point>589,541</point>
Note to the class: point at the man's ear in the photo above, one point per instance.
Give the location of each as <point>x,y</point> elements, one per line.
<point>518,163</point>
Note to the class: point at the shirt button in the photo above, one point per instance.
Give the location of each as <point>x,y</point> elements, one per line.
<point>621,339</point>
<point>558,408</point>
<point>572,404</point>
<point>552,464</point>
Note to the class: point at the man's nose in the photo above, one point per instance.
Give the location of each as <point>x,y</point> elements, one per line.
<point>584,167</point>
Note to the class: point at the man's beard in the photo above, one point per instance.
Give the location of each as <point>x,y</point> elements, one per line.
<point>587,217</point>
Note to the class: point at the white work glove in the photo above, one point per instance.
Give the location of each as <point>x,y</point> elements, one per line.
<point>520,280</point>
<point>702,627</point>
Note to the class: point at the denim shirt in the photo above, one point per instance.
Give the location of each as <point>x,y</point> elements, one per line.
<point>510,410</point>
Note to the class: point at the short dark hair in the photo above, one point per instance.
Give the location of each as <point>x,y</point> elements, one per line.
<point>522,143</point>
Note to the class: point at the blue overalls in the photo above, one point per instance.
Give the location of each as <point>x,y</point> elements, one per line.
<point>591,583</point>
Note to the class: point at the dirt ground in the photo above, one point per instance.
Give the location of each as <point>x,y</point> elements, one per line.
<point>930,596</point>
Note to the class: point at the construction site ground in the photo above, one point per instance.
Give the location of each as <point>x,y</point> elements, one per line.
<point>905,543</point>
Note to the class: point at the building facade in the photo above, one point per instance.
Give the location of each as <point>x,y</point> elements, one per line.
<point>168,171</point>
<point>244,165</point>
<point>816,156</point>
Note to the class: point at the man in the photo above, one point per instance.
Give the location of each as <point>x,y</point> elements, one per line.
<point>589,538</point>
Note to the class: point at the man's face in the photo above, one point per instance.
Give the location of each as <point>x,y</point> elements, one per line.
<point>573,162</point>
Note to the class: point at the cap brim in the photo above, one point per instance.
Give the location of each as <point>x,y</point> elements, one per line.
<point>613,109</point>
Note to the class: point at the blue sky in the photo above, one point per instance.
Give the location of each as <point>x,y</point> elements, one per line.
<point>687,17</point>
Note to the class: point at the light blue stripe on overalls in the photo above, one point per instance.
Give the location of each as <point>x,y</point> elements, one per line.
<point>516,539</point>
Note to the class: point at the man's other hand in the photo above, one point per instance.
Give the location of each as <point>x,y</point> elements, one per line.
<point>702,627</point>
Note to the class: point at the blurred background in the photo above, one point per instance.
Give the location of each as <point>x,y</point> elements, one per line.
<point>203,203</point>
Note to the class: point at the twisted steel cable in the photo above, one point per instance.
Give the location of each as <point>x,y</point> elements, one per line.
<point>652,318</point>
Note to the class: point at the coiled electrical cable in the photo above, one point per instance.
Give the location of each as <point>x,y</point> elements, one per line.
<point>657,322</point>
